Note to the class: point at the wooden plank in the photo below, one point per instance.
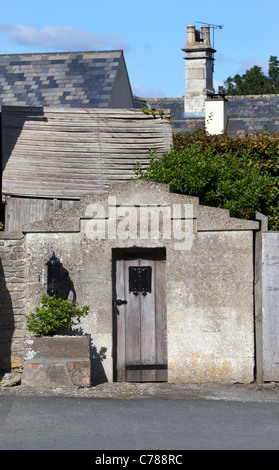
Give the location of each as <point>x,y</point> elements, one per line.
<point>148,327</point>
<point>121,323</point>
<point>133,344</point>
<point>70,151</point>
<point>270,305</point>
<point>161,319</point>
<point>116,113</point>
<point>20,211</point>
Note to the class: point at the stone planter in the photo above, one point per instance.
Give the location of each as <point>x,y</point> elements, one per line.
<point>57,361</point>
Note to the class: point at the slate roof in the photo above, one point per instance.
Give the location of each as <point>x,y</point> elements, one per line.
<point>174,105</point>
<point>72,79</point>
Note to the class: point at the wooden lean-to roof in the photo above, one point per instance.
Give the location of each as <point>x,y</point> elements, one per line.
<point>70,152</point>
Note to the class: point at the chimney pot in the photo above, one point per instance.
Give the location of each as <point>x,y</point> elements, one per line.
<point>191,34</point>
<point>206,34</point>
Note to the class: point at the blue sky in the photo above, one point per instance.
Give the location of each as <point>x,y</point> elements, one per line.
<point>151,33</point>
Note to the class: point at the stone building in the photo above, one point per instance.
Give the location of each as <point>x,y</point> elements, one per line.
<point>189,266</point>
<point>169,284</point>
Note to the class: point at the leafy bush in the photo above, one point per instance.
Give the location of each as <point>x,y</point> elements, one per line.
<point>53,315</point>
<point>239,174</point>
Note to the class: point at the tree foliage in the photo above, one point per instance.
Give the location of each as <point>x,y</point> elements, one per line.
<point>254,81</point>
<point>239,174</point>
<point>273,73</point>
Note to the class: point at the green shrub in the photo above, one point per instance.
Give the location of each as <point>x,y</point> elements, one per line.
<point>230,179</point>
<point>259,153</point>
<point>54,315</point>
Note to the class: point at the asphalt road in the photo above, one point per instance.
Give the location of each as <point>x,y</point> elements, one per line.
<point>108,424</point>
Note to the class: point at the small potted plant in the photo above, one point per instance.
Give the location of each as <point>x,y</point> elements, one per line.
<point>54,359</point>
<point>54,316</point>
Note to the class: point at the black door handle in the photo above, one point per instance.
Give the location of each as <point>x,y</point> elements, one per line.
<point>118,302</point>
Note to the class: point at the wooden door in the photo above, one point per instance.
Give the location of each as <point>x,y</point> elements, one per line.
<point>140,311</point>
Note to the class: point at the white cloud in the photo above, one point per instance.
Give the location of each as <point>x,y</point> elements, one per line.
<point>145,92</point>
<point>225,59</point>
<point>4,26</point>
<point>61,38</point>
<point>241,65</point>
<point>248,64</point>
<point>216,84</point>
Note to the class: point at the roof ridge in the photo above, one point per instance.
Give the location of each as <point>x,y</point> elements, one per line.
<point>62,52</point>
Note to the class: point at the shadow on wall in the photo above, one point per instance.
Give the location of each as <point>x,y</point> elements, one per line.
<point>98,375</point>
<point>66,291</point>
<point>11,132</point>
<point>7,325</point>
<point>11,125</point>
<point>2,205</point>
<point>2,212</point>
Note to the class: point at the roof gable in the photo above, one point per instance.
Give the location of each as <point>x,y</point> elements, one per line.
<point>71,79</point>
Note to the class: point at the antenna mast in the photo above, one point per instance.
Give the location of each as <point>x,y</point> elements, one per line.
<point>213,26</point>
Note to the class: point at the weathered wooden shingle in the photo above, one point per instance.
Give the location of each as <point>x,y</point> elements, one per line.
<point>72,79</point>
<point>67,153</point>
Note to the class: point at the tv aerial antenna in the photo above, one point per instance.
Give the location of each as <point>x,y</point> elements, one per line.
<point>212,26</point>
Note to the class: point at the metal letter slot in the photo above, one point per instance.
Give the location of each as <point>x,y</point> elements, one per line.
<point>140,279</point>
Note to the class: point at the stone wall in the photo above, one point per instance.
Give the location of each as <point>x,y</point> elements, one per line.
<point>210,309</point>
<point>209,284</point>
<point>209,287</point>
<point>12,299</point>
<point>57,361</point>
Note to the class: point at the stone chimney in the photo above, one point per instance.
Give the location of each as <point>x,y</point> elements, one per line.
<point>199,70</point>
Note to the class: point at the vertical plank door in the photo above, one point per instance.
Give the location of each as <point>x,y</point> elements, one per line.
<point>141,324</point>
